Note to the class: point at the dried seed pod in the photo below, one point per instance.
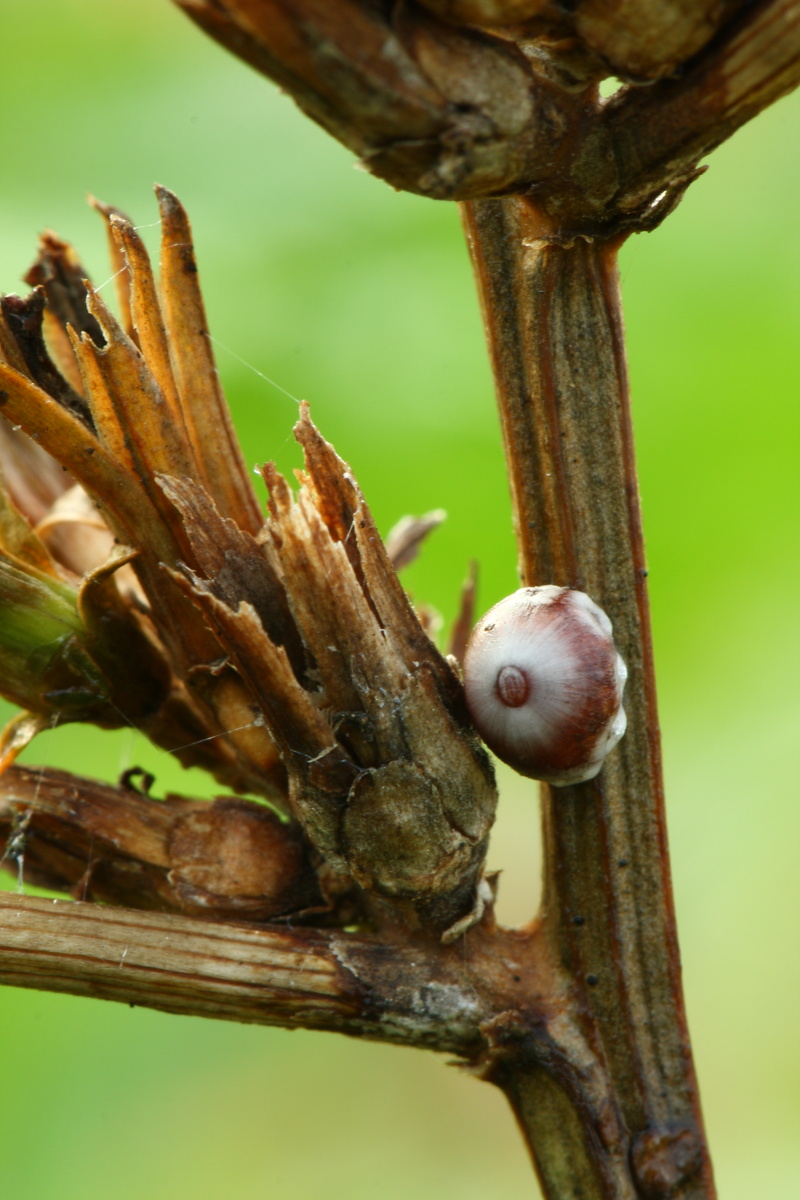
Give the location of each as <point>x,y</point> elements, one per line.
<point>544,684</point>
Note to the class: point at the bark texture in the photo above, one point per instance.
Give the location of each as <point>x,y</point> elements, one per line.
<point>452,111</point>
<point>556,339</point>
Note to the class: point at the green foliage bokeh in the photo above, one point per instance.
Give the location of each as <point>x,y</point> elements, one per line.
<point>361,301</point>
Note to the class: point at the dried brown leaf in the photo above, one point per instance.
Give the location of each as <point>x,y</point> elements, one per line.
<point>205,411</point>
<point>405,539</point>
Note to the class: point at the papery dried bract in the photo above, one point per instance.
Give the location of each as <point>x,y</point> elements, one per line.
<point>283,656</point>
<point>113,417</point>
<point>385,774</point>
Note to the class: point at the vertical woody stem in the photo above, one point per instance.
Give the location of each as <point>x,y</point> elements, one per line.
<point>555,332</point>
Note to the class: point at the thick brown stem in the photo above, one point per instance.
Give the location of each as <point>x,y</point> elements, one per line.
<point>455,113</point>
<point>443,111</point>
<point>555,334</point>
<point>297,978</point>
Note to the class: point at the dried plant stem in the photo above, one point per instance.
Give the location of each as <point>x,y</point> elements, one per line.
<point>172,963</point>
<point>414,994</point>
<point>456,113</point>
<point>556,339</point>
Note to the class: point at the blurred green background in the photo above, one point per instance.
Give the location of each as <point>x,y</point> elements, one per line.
<point>361,301</point>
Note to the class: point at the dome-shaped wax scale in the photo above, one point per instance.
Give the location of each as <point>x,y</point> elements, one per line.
<point>544,681</point>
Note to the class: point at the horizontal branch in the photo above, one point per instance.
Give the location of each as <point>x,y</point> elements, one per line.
<point>491,1000</point>
<point>188,888</point>
<point>294,978</point>
<point>455,113</point>
<point>232,859</point>
<point>443,111</point>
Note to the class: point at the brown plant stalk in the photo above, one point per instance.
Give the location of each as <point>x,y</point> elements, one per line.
<point>559,363</point>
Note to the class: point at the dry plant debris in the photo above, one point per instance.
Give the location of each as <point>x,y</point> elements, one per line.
<point>141,584</point>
